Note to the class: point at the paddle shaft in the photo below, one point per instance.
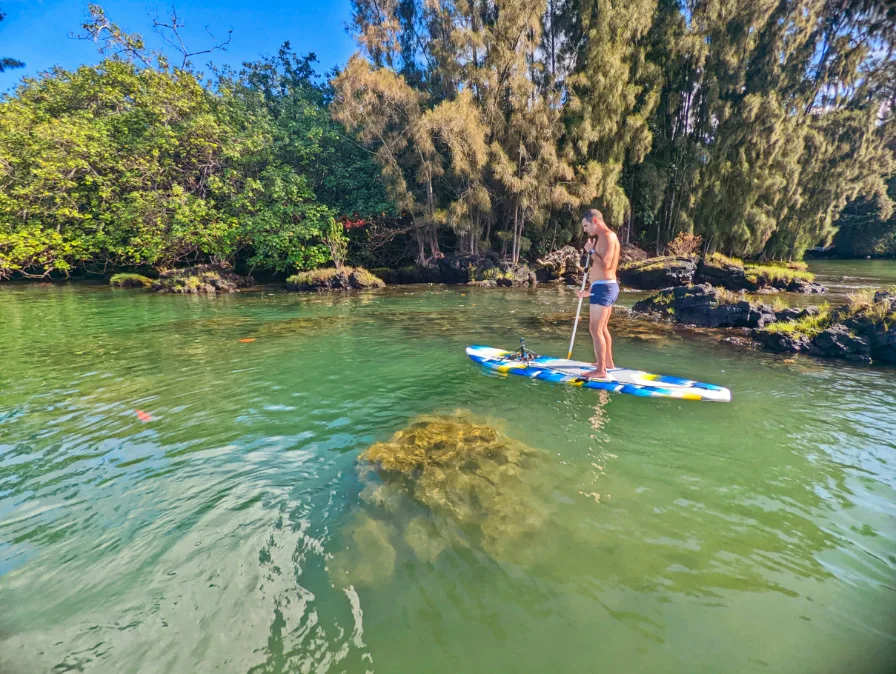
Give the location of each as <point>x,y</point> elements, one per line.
<point>579,309</point>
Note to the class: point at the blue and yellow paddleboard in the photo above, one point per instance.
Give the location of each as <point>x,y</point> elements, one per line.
<point>562,371</point>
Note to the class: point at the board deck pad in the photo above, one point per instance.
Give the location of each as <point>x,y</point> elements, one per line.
<point>631,382</point>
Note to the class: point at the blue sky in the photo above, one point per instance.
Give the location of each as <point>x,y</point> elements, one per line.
<point>36,31</point>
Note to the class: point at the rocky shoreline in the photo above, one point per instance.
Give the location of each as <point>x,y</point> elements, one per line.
<point>565,265</point>
<point>716,270</point>
<point>863,330</point>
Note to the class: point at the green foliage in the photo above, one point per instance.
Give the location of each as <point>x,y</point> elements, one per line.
<point>333,278</point>
<point>863,230</point>
<point>366,278</point>
<point>749,124</point>
<point>779,304</point>
<point>305,137</point>
<point>772,116</point>
<point>114,165</point>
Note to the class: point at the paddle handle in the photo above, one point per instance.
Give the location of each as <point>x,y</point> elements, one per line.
<point>575,325</point>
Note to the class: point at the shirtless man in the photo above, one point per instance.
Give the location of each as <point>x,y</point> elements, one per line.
<point>604,248</point>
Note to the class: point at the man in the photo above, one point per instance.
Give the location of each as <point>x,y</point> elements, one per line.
<point>603,246</point>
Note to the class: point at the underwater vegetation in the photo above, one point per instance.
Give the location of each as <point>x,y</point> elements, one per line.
<point>444,481</point>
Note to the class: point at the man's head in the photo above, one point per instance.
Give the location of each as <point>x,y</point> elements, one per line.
<point>593,222</point>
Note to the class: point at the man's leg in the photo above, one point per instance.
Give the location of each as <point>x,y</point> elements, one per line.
<point>608,341</point>
<point>596,327</point>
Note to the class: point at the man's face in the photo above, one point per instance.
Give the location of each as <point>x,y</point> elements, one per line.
<point>589,227</point>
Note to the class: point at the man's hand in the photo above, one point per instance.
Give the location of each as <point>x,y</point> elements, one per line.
<point>582,294</point>
<point>590,245</point>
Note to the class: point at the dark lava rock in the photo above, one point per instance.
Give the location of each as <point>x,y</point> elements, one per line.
<point>203,278</point>
<point>631,253</point>
<point>799,285</point>
<point>334,279</point>
<point>784,342</point>
<point>838,342</point>
<point>717,273</point>
<point>656,273</point>
<point>703,305</point>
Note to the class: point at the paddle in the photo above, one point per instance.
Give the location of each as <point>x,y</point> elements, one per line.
<point>579,309</point>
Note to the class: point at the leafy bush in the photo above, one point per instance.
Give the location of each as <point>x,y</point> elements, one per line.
<point>685,244</point>
<point>116,165</point>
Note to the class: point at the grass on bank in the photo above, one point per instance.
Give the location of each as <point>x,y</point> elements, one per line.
<point>754,272</point>
<point>810,326</point>
<point>319,275</point>
<point>652,263</point>
<point>130,281</point>
<point>771,271</point>
<point>327,274</point>
<point>720,259</point>
<point>879,313</point>
<point>795,265</point>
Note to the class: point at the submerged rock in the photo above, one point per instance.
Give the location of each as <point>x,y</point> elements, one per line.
<point>374,538</point>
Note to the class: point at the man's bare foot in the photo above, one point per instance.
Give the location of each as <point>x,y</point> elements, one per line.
<point>595,374</point>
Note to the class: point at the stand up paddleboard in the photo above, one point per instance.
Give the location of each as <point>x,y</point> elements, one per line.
<point>562,371</point>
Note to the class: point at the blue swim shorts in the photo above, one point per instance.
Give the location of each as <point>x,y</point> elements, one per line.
<point>604,293</point>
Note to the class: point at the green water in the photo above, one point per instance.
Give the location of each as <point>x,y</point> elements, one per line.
<point>222,534</point>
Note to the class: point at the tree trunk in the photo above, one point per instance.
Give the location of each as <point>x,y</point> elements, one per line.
<point>421,250</point>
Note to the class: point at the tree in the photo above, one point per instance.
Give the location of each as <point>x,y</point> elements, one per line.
<point>862,230</point>
<point>7,63</point>
<point>454,103</point>
<point>611,93</point>
<point>130,163</point>
<point>778,117</point>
